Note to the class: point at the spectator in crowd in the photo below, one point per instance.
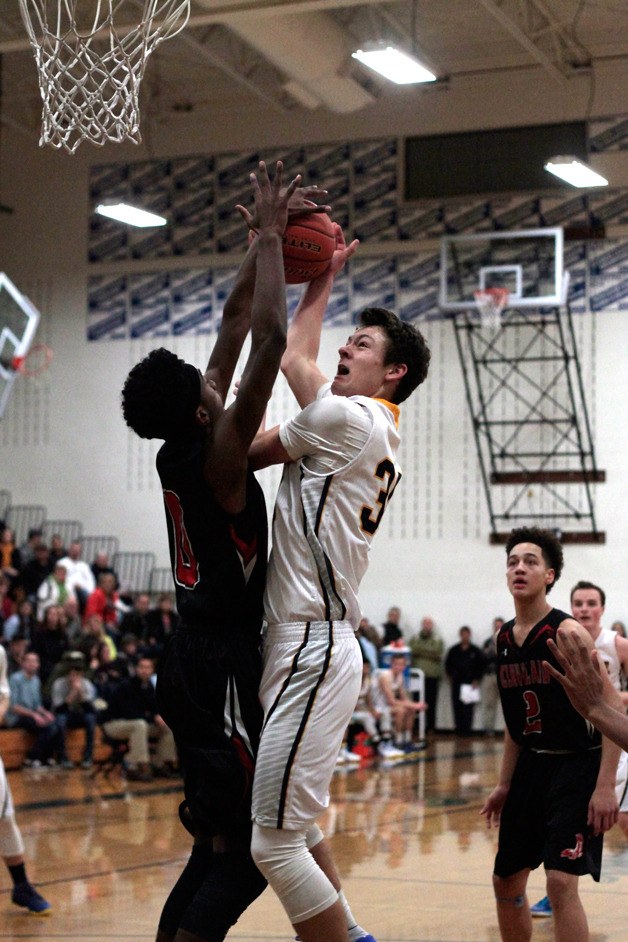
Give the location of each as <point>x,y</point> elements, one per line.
<point>80,578</point>
<point>73,704</point>
<point>162,621</point>
<point>54,590</point>
<point>463,665</point>
<point>28,549</point>
<point>132,714</point>
<point>18,646</point>
<point>11,844</point>
<point>57,549</point>
<point>95,627</point>
<point>391,630</point>
<point>129,652</point>
<point>21,622</point>
<point>7,606</point>
<point>620,628</point>
<point>103,601</point>
<point>27,711</point>
<point>427,649</point>
<point>50,641</point>
<point>10,559</point>
<point>73,620</point>
<point>136,621</point>
<point>393,696</point>
<point>490,690</point>
<point>36,571</point>
<point>101,564</point>
<point>366,713</point>
<point>370,641</point>
<point>109,672</point>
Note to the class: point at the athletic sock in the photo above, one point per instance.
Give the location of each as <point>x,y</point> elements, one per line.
<point>355,931</point>
<point>18,873</point>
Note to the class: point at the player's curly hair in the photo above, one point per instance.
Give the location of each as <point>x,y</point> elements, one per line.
<point>160,397</point>
<point>406,344</point>
<point>548,543</point>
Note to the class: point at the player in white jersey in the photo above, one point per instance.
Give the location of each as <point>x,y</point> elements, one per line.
<point>587,607</point>
<point>341,470</point>
<point>11,844</point>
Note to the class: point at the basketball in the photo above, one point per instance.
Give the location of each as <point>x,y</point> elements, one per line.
<point>308,245</point>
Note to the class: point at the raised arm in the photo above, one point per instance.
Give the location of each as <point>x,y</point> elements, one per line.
<point>304,334</point>
<point>226,460</point>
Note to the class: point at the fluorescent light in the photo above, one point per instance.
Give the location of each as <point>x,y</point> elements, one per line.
<point>395,65</point>
<point>131,215</point>
<point>573,171</point>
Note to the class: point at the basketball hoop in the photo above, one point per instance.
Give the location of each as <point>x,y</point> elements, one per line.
<point>34,362</point>
<point>490,303</point>
<point>90,72</point>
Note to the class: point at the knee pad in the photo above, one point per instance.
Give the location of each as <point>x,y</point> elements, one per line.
<point>11,843</point>
<point>284,859</point>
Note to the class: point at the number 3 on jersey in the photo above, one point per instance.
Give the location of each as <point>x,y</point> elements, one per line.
<point>186,566</point>
<point>370,517</point>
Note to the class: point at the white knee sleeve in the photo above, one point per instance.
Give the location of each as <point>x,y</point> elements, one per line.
<point>11,843</point>
<point>284,859</point>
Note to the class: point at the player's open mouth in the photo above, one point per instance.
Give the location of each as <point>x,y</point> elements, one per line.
<point>342,370</point>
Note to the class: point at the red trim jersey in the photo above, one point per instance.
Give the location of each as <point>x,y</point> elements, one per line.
<point>218,559</point>
<point>537,711</point>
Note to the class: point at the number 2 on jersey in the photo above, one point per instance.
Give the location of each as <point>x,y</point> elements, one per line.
<point>186,566</point>
<point>384,470</point>
<point>533,713</point>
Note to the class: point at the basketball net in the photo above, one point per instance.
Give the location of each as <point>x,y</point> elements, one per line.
<point>90,72</point>
<point>32,363</point>
<point>490,303</point>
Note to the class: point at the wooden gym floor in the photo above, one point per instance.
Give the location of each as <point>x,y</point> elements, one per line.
<point>413,852</point>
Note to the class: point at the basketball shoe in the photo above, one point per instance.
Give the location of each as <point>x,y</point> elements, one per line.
<point>543,908</point>
<point>25,894</point>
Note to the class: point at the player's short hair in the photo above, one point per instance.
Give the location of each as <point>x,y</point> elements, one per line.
<point>548,543</point>
<point>406,344</point>
<point>160,397</point>
<point>588,585</point>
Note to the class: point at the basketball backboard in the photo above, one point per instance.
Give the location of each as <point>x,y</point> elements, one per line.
<point>18,323</point>
<point>527,262</point>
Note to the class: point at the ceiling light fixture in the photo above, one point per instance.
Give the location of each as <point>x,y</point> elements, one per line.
<point>574,171</point>
<point>131,215</point>
<point>395,65</point>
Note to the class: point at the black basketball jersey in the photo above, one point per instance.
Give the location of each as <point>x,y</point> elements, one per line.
<point>537,711</point>
<point>218,559</point>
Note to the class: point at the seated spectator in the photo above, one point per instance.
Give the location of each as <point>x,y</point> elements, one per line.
<point>95,628</point>
<point>21,622</point>
<point>27,711</point>
<point>370,641</point>
<point>80,578</point>
<point>391,629</point>
<point>392,695</point>
<point>57,548</point>
<point>72,619</point>
<point>132,714</point>
<point>109,672</point>
<point>17,648</point>
<point>101,564</point>
<point>620,628</point>
<point>36,571</point>
<point>10,559</point>
<point>103,601</point>
<point>54,590</point>
<point>50,641</point>
<point>366,713</point>
<point>129,651</point>
<point>7,605</point>
<point>73,704</point>
<point>162,623</point>
<point>135,621</point>
<point>28,550</point>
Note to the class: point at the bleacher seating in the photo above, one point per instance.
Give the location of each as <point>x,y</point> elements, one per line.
<point>99,544</point>
<point>24,517</point>
<point>160,581</point>
<point>5,503</point>
<point>133,570</point>
<point>68,530</point>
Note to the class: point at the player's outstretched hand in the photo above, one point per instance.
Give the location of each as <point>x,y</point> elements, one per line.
<point>493,805</point>
<point>581,679</point>
<point>343,252</point>
<point>302,201</point>
<point>271,200</point>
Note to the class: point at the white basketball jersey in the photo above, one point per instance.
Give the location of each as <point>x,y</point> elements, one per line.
<point>325,520</point>
<point>605,644</point>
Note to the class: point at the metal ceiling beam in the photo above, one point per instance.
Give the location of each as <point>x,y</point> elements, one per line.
<point>499,13</point>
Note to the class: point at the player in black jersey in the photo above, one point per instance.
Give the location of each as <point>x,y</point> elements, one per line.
<point>217,527</point>
<point>556,792</point>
